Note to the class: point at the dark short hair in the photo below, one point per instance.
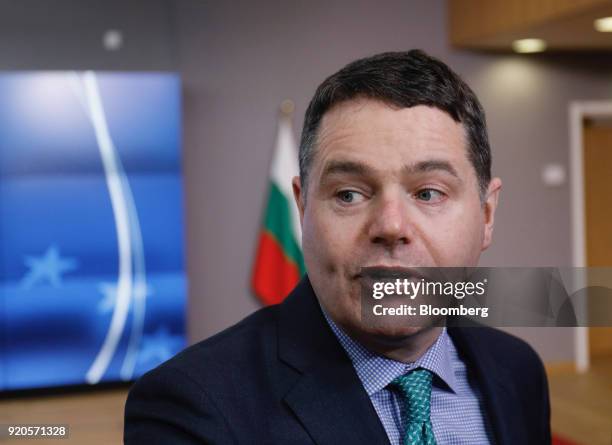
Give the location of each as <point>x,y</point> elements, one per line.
<point>403,79</point>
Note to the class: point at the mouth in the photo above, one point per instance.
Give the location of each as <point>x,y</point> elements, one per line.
<point>384,272</point>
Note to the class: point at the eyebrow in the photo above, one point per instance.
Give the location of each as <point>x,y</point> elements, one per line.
<point>432,165</point>
<point>350,167</point>
<point>361,169</point>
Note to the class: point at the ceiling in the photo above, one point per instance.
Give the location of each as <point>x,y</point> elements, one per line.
<point>492,25</point>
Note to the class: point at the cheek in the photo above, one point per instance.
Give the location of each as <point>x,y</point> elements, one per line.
<point>318,254</point>
<point>456,239</point>
<point>327,241</point>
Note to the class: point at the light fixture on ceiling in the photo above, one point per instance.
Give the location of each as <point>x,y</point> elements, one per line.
<point>603,24</point>
<point>529,46</point>
<point>112,40</point>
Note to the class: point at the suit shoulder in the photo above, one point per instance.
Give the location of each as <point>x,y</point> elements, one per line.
<point>242,344</point>
<point>505,348</point>
<point>170,405</point>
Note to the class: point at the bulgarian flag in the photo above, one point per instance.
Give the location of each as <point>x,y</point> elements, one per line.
<point>279,264</point>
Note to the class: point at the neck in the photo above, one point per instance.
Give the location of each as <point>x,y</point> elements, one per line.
<point>407,348</point>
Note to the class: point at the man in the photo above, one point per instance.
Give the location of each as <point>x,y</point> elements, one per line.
<point>394,173</point>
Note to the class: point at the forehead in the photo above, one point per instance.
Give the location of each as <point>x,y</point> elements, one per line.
<point>386,135</point>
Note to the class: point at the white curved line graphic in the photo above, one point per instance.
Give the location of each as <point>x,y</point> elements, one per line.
<point>114,181</point>
<point>139,290</point>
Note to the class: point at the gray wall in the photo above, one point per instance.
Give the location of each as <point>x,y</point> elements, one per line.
<point>240,59</point>
<point>67,34</point>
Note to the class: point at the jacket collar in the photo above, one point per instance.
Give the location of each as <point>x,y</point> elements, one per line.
<point>328,398</point>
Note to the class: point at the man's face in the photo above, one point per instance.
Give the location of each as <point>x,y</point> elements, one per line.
<point>388,187</point>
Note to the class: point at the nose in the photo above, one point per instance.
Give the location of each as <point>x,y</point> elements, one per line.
<point>391,223</point>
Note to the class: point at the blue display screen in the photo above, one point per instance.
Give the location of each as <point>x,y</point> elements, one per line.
<point>92,274</point>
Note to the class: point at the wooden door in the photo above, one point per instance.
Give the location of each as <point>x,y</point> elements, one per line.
<point>598,208</point>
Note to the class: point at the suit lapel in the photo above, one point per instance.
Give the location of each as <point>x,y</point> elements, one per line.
<point>502,404</point>
<point>328,398</point>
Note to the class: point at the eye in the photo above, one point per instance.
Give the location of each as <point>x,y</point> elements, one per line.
<point>430,195</point>
<point>349,196</point>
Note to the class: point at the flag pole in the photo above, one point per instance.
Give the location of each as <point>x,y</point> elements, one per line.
<point>286,107</point>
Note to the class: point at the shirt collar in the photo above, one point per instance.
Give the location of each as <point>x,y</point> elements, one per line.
<point>376,371</point>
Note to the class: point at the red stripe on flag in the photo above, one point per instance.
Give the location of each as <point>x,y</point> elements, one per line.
<point>274,275</point>
<point>556,440</point>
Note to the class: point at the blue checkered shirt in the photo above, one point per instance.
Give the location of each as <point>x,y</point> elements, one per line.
<point>457,411</point>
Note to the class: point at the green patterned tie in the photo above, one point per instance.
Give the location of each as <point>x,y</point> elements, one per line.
<point>415,388</point>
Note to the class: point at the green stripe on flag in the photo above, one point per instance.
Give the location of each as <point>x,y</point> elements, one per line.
<point>278,223</point>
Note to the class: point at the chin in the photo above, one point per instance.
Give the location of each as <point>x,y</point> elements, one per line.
<point>395,333</point>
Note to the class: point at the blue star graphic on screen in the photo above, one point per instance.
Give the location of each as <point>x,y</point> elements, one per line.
<point>159,346</point>
<point>48,268</point>
<point>109,292</point>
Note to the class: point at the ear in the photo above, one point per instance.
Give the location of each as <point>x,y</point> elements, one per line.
<point>489,207</point>
<point>298,195</point>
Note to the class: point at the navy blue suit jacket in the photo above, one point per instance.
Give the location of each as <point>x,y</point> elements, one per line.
<point>281,377</point>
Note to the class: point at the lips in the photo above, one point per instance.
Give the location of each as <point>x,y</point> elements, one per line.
<point>382,272</point>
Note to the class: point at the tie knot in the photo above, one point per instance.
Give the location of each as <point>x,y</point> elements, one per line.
<point>415,387</point>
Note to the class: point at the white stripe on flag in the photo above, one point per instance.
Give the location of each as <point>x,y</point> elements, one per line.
<point>284,167</point>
